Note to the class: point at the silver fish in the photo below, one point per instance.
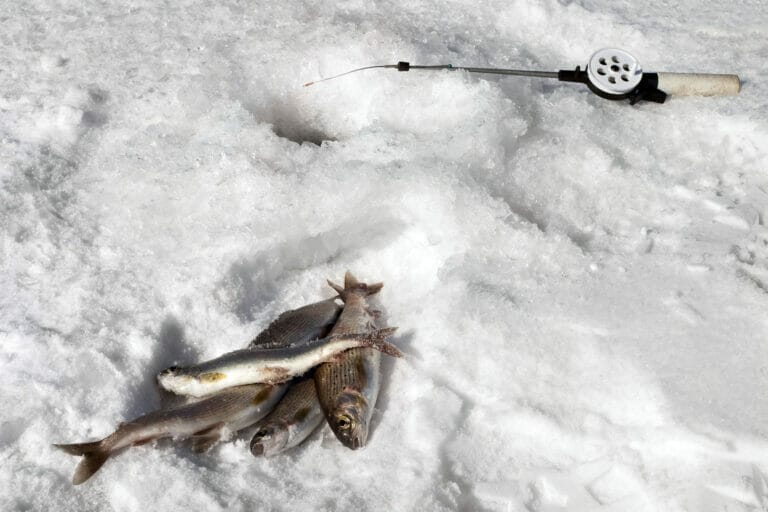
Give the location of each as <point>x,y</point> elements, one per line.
<point>308,322</point>
<point>296,416</point>
<point>272,366</point>
<point>349,386</point>
<point>230,410</point>
<point>205,421</point>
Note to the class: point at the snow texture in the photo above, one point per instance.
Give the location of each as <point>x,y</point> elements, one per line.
<point>580,285</point>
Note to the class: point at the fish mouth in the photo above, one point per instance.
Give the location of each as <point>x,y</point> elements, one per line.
<point>353,442</point>
<point>268,441</point>
<point>257,449</point>
<point>175,380</point>
<point>348,420</point>
<point>170,371</point>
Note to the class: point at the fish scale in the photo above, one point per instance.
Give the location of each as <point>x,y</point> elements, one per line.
<point>299,325</point>
<point>336,376</point>
<point>296,416</point>
<point>228,403</point>
<point>355,375</point>
<point>347,373</point>
<point>301,393</point>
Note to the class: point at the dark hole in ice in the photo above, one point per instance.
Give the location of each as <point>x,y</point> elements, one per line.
<point>299,134</point>
<point>93,118</point>
<point>96,115</point>
<point>97,95</point>
<point>289,122</point>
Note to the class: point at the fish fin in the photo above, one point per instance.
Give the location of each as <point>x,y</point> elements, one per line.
<point>377,340</point>
<point>389,349</point>
<point>276,375</point>
<point>351,284</point>
<point>374,288</point>
<point>383,333</point>
<point>337,358</point>
<point>79,448</point>
<point>90,464</point>
<point>336,287</point>
<point>94,456</point>
<point>350,281</point>
<point>205,439</point>
<point>367,338</point>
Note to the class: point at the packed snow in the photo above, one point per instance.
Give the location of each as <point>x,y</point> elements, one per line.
<point>580,285</point>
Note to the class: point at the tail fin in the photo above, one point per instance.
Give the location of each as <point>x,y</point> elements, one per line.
<point>377,339</point>
<point>94,456</point>
<point>352,285</point>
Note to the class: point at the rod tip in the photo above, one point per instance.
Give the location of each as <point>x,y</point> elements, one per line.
<point>308,84</point>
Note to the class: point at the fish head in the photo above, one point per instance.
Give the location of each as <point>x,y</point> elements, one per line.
<point>170,371</point>
<point>270,439</point>
<point>349,419</point>
<point>175,380</point>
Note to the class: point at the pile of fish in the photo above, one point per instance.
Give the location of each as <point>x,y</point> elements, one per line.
<point>318,361</point>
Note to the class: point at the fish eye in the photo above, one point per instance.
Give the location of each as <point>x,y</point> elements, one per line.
<point>344,422</point>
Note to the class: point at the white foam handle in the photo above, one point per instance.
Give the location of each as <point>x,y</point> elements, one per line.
<point>699,84</point>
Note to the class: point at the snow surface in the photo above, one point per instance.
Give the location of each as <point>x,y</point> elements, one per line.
<point>580,285</point>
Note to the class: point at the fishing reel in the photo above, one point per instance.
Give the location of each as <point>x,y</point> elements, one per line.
<point>615,74</point>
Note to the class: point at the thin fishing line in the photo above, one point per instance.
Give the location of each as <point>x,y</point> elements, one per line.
<point>348,72</point>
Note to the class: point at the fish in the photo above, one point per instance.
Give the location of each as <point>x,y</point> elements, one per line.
<point>267,366</point>
<point>348,387</point>
<point>309,322</point>
<point>233,406</point>
<point>296,416</point>
<point>206,422</point>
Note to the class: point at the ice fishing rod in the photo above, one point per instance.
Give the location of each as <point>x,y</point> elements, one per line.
<point>611,73</point>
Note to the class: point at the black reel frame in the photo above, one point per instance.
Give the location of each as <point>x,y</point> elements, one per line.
<point>647,89</point>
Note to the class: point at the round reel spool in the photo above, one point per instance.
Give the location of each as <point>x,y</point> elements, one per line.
<point>614,71</point>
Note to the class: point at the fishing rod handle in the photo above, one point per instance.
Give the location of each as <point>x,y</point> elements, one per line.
<point>698,84</point>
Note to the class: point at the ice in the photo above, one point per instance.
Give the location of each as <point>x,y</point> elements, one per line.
<point>580,285</point>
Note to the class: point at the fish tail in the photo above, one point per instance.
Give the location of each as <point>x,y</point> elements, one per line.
<point>94,454</point>
<point>378,339</point>
<point>352,285</point>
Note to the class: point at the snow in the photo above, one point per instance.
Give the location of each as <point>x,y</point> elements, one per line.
<point>580,285</point>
